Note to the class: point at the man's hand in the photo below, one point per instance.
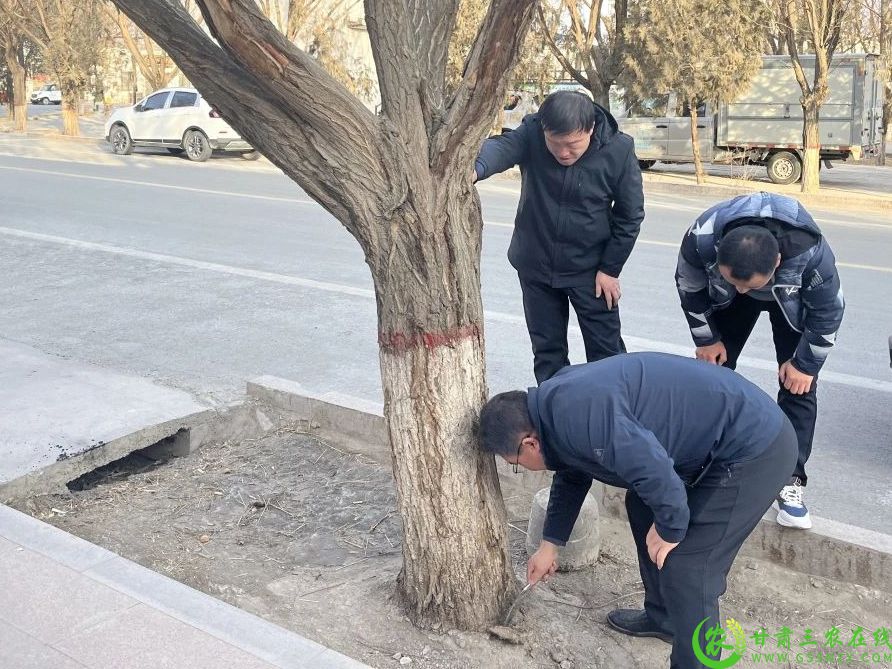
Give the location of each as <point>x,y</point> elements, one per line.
<point>714,353</point>
<point>795,381</point>
<point>658,549</point>
<point>609,286</point>
<point>473,175</point>
<point>543,563</point>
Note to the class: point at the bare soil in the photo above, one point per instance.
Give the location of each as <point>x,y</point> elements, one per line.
<point>306,536</point>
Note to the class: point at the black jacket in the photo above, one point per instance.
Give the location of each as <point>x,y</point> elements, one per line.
<point>651,422</point>
<point>571,221</point>
<point>806,284</point>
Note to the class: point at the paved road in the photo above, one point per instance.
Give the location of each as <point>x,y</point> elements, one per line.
<point>201,276</point>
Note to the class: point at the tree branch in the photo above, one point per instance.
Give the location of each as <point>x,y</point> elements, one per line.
<point>390,31</point>
<point>433,24</point>
<point>482,89</point>
<point>555,49</point>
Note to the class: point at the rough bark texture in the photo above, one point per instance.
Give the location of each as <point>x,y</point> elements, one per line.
<point>811,155</point>
<point>18,101</point>
<point>71,97</point>
<point>695,139</point>
<point>398,182</point>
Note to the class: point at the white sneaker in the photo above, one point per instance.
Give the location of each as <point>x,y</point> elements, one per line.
<point>791,510</point>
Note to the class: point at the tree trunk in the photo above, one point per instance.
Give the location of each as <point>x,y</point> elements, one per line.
<point>70,105</point>
<point>70,122</point>
<point>18,103</point>
<point>887,119</point>
<point>695,142</point>
<point>457,569</point>
<point>811,142</point>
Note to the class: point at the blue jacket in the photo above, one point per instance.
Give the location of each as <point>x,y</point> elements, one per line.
<point>571,221</point>
<point>652,422</point>
<point>806,284</point>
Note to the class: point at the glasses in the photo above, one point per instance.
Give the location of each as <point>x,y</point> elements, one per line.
<point>515,463</point>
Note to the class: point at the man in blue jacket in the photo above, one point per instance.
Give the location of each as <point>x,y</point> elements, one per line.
<point>756,253</point>
<point>701,451</point>
<point>581,206</point>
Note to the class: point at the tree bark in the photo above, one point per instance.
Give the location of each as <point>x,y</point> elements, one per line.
<point>71,96</point>
<point>811,142</point>
<point>430,322</point>
<point>18,102</point>
<point>695,142</point>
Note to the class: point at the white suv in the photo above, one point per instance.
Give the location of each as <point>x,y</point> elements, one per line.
<point>47,94</point>
<point>177,119</point>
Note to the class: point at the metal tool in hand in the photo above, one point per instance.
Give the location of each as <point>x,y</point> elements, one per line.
<point>517,600</point>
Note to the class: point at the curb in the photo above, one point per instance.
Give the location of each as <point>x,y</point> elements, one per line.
<point>179,436</point>
<point>831,549</point>
<point>826,199</point>
<point>267,641</point>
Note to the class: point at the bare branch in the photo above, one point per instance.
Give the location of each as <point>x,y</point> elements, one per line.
<point>475,101</point>
<point>555,49</point>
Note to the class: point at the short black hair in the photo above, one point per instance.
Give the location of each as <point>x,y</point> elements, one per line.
<point>564,112</point>
<point>503,421</point>
<point>748,250</point>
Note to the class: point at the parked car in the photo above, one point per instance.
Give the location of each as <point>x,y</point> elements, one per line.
<point>47,94</point>
<point>177,119</point>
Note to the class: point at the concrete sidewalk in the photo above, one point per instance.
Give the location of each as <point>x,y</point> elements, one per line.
<point>54,410</point>
<point>68,604</point>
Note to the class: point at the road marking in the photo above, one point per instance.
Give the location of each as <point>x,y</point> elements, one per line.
<point>639,343</point>
<point>134,182</point>
<point>273,198</point>
<point>188,262</point>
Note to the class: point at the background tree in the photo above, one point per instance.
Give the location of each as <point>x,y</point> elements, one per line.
<point>399,183</point>
<point>154,64</point>
<point>588,41</point>
<point>704,51</point>
<point>71,35</point>
<point>12,41</point>
<point>819,24</point>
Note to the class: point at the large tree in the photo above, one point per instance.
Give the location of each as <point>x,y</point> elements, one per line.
<point>818,23</point>
<point>588,39</point>
<point>399,182</point>
<point>704,51</point>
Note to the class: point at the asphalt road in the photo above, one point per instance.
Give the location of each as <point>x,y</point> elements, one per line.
<point>201,276</point>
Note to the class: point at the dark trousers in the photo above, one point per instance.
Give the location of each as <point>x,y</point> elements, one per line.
<point>735,324</point>
<point>726,504</point>
<point>547,312</point>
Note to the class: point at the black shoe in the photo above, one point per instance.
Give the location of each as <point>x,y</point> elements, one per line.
<point>636,622</point>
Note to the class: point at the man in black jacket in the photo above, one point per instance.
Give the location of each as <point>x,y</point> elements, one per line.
<point>581,206</point>
<point>701,451</point>
<point>756,253</point>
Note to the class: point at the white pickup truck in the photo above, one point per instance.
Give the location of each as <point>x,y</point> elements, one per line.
<point>47,94</point>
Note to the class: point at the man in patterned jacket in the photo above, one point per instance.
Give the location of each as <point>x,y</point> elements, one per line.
<point>756,253</point>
